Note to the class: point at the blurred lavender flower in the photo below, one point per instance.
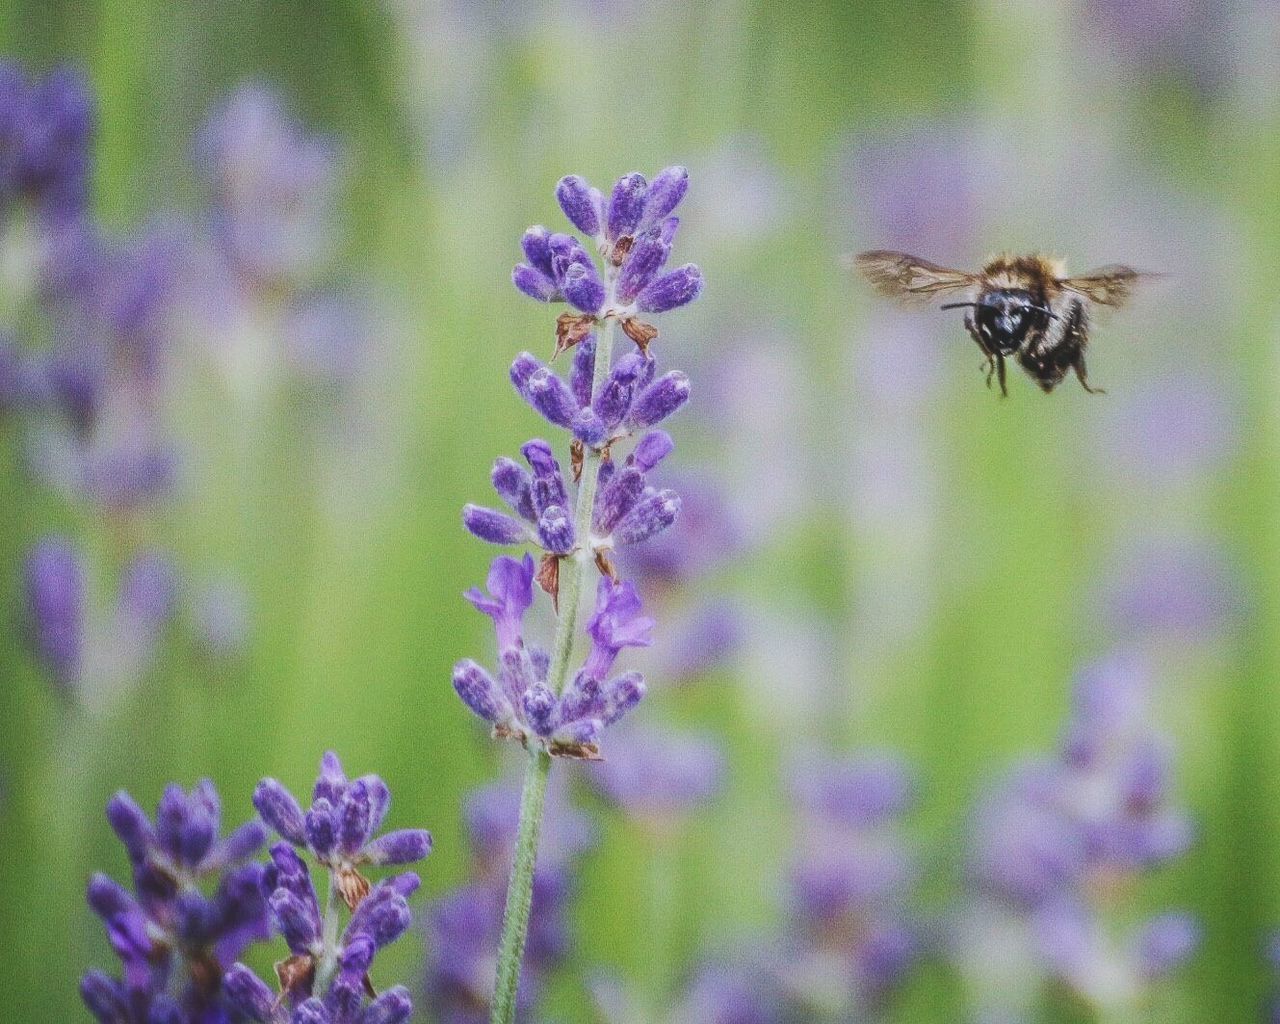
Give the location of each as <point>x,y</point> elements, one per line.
<point>221,618</point>
<point>1178,588</point>
<point>464,925</point>
<point>56,597</point>
<point>1053,846</point>
<point>658,777</point>
<point>274,187</point>
<point>325,979</point>
<point>196,905</point>
<point>719,992</point>
<point>852,936</point>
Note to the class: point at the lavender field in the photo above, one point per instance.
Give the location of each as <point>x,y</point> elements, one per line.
<point>474,403</point>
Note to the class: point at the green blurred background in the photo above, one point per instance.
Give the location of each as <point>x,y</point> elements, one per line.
<point>947,621</point>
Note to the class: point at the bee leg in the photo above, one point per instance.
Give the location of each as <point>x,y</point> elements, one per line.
<point>1004,390</point>
<point>990,367</point>
<point>1083,376</point>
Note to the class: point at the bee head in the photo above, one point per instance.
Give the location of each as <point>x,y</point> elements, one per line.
<point>1004,316</point>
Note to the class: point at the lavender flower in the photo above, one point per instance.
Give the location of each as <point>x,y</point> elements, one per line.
<point>325,979</point>
<point>603,404</point>
<point>56,601</point>
<point>196,905</point>
<point>338,828</point>
<point>658,777</point>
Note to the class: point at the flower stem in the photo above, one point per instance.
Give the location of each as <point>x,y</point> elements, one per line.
<point>329,959</point>
<point>573,585</point>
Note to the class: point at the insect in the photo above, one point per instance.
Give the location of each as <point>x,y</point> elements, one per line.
<point>1020,307</point>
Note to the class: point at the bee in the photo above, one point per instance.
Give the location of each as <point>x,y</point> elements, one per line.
<point>1020,307</point>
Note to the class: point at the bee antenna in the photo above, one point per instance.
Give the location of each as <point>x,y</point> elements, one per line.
<point>959,305</point>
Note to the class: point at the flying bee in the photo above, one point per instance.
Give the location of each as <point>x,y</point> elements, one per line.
<point>1021,307</point>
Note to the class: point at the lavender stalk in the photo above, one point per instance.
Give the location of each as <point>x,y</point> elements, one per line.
<point>534,698</point>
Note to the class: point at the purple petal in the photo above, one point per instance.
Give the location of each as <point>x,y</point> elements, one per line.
<point>678,288</point>
<point>492,526</point>
<point>578,204</point>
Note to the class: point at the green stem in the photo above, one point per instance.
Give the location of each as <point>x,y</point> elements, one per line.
<point>329,958</point>
<point>574,584</point>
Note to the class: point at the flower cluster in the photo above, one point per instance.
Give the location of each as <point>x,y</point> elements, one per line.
<point>464,924</point>
<point>610,502</point>
<point>1053,847</point>
<point>852,939</point>
<point>325,979</point>
<point>196,904</point>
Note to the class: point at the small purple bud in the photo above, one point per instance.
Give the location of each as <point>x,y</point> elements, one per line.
<point>551,397</point>
<point>614,400</point>
<point>312,1011</point>
<point>534,283</point>
<point>242,844</point>
<point>575,198</point>
<point>386,920</point>
<point>321,829</point>
<point>678,288</point>
<point>149,589</point>
<point>567,251</point>
<point>647,257</point>
<point>331,783</point>
<point>514,486</point>
<point>392,1007</point>
<point>621,695</point>
<point>55,589</point>
<point>660,399</point>
<point>649,518</point>
<point>294,920</point>
<point>132,825</point>
<point>108,898</point>
<point>480,692</point>
<point>651,450</point>
<point>583,288</point>
<point>524,366</point>
<point>104,998</point>
<point>540,708</point>
<point>493,526</point>
<point>665,193</point>
<point>1167,941</point>
<point>555,530</point>
<point>404,846</point>
<point>584,367</point>
<point>618,497</point>
<point>355,817</point>
<point>626,205</point>
<point>589,428</point>
<point>249,994</point>
<point>280,810</point>
<point>537,250</point>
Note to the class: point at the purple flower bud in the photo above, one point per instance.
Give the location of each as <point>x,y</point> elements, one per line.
<point>623,491</point>
<point>648,256</point>
<point>242,844</point>
<point>1165,942</point>
<point>404,846</point>
<point>584,367</point>
<point>651,449</point>
<point>514,486</point>
<point>355,817</point>
<point>548,482</point>
<point>583,288</point>
<point>589,428</point>
<point>132,826</point>
<point>678,288</point>
<point>649,518</point>
<point>621,695</point>
<point>614,400</point>
<point>578,204</point>
<point>551,397</point>
<point>534,283</point>
<point>493,526</point>
<point>555,530</point>
<point>107,898</point>
<point>331,783</point>
<point>566,251</point>
<point>626,205</point>
<point>280,810</point>
<point>55,588</point>
<point>321,828</point>
<point>524,366</point>
<point>104,998</point>
<point>392,1007</point>
<point>311,1011</point>
<point>296,923</point>
<point>249,994</point>
<point>480,692</point>
<point>383,917</point>
<point>665,193</point>
<point>660,399</point>
<point>617,622</point>
<point>537,249</point>
<point>540,708</point>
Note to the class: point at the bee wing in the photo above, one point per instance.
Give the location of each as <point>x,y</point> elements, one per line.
<point>1107,286</point>
<point>910,279</point>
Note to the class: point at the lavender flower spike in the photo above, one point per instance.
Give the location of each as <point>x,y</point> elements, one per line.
<point>55,599</point>
<point>535,697</point>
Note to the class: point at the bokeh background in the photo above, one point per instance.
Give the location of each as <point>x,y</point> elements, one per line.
<point>906,562</point>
